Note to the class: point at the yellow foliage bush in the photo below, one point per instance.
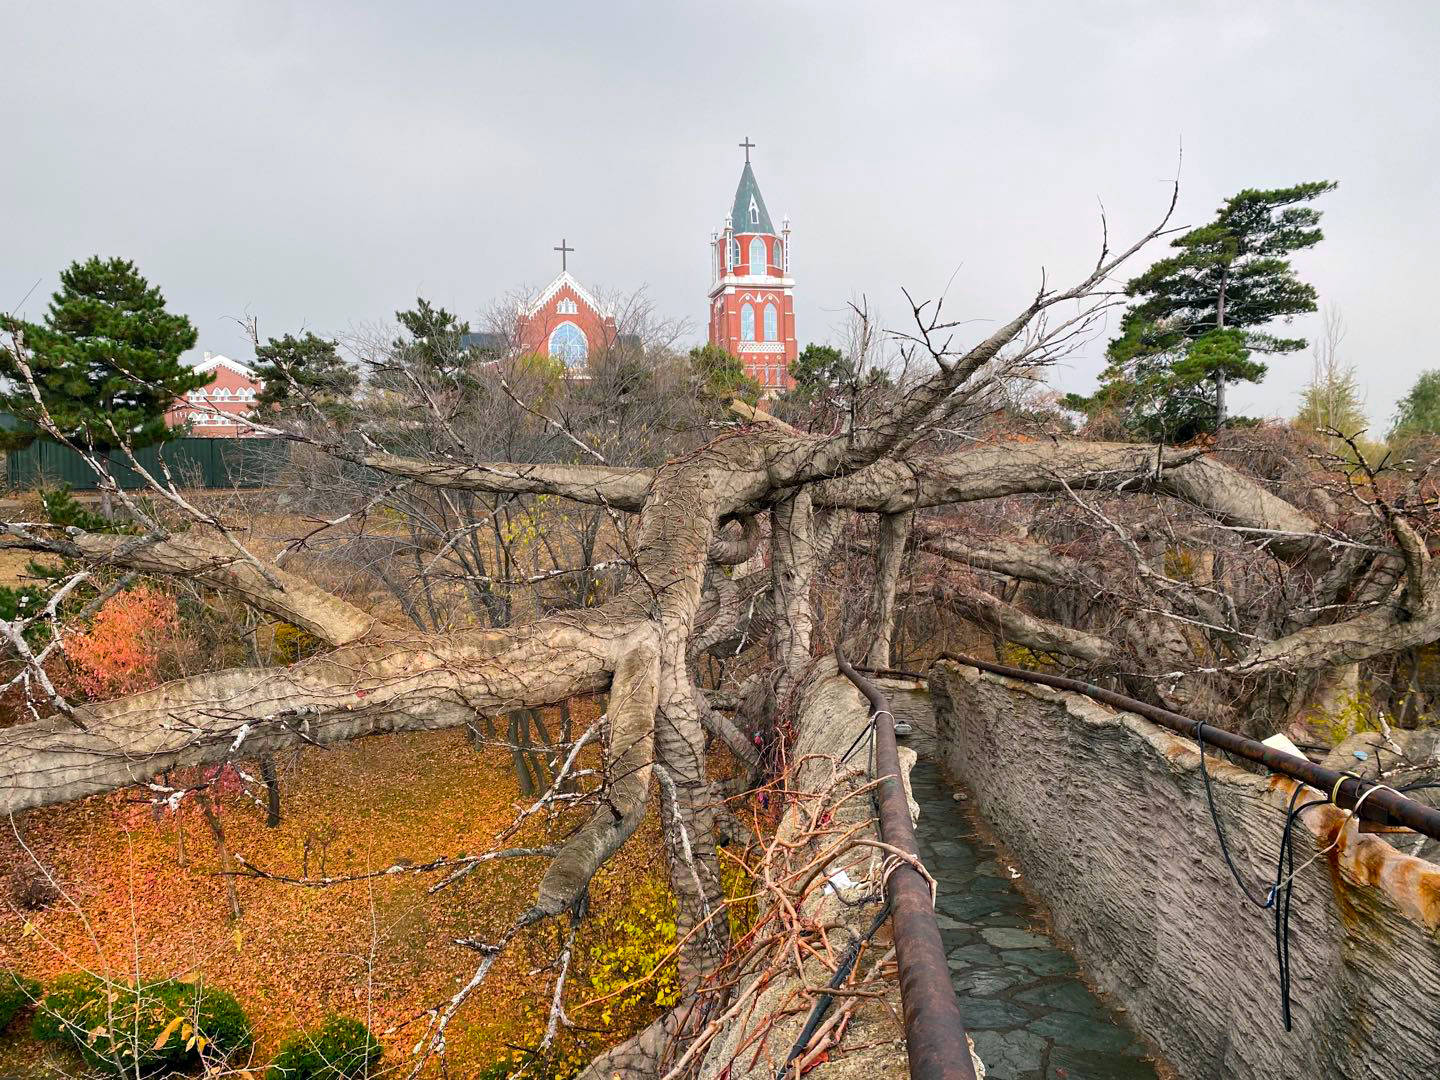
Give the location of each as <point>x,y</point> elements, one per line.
<point>1021,657</point>
<point>293,643</point>
<point>1353,714</point>
<point>558,1064</point>
<point>634,946</point>
<point>742,908</point>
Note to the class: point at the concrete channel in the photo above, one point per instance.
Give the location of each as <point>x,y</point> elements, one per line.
<point>1024,1002</point>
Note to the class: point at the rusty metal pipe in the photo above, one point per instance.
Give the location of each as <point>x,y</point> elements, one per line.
<point>935,1039</point>
<point>1382,805</point>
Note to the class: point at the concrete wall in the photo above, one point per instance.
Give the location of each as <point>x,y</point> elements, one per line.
<point>1106,815</point>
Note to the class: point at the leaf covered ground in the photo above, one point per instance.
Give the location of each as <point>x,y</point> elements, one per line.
<point>139,887</point>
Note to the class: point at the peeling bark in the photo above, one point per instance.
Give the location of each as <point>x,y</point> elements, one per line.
<point>1017,559</point>
<point>792,563</point>
<point>633,698</point>
<point>1037,468</point>
<point>596,485</point>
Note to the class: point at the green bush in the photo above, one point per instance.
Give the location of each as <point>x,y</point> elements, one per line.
<point>16,991</point>
<point>159,1026</point>
<point>340,1049</point>
<point>67,997</point>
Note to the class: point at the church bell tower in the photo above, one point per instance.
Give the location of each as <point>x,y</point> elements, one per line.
<point>752,309</point>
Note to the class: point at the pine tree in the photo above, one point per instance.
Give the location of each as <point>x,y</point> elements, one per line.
<point>106,360</point>
<point>1200,315</point>
<point>436,339</point>
<point>819,368</point>
<point>720,374</point>
<point>294,371</point>
<point>433,350</point>
<point>822,368</point>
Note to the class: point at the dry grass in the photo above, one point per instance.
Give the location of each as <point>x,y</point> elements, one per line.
<point>12,568</point>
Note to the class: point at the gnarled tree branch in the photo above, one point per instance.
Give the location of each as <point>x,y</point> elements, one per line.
<point>212,562</point>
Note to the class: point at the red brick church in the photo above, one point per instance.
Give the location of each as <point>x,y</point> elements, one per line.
<point>566,321</point>
<point>751,315</point>
<point>752,307</point>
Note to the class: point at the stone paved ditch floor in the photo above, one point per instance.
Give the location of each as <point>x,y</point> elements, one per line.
<point>1024,1005</point>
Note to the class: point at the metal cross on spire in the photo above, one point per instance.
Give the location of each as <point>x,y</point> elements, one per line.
<point>747,146</point>
<point>564,250</point>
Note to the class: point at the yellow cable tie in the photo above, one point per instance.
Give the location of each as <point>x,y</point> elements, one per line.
<point>1335,791</point>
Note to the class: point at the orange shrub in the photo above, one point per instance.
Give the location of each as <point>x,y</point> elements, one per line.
<point>118,652</point>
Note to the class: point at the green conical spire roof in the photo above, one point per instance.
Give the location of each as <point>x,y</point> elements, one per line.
<point>749,192</point>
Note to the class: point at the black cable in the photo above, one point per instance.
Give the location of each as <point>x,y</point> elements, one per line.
<point>1281,894</point>
<point>866,730</point>
<point>823,1002</point>
<point>1282,891</point>
<point>1220,832</point>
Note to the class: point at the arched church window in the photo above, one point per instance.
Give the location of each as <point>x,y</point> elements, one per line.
<point>734,252</point>
<point>779,256</point>
<point>747,323</point>
<point>772,323</point>
<point>566,307</point>
<point>757,255</point>
<point>754,211</point>
<point>568,345</point>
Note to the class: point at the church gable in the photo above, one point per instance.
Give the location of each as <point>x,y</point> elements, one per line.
<point>564,288</point>
<point>567,322</point>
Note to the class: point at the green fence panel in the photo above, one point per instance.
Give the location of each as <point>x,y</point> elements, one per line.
<point>192,463</point>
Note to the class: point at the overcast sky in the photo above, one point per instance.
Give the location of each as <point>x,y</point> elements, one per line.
<point>318,165</point>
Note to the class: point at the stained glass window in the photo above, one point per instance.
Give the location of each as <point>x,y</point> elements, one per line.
<point>567,344</point>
